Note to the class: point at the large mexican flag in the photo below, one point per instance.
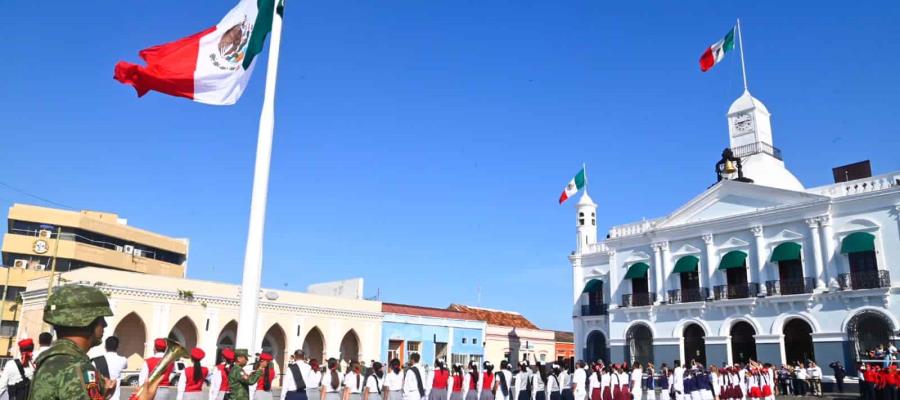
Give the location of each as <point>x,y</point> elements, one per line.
<point>211,66</point>
<point>716,52</point>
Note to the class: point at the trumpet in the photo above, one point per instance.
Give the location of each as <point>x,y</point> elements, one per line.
<point>174,352</point>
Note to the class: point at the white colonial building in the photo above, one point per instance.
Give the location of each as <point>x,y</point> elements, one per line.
<point>756,267</point>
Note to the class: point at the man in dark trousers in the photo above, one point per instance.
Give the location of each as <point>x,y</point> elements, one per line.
<point>839,375</point>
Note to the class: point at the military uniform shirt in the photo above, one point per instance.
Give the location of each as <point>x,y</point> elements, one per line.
<point>238,384</point>
<point>64,372</point>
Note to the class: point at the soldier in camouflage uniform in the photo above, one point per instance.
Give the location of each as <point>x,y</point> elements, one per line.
<point>64,371</point>
<point>238,382</point>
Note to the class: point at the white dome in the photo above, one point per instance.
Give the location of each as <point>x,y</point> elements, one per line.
<point>766,170</point>
<point>747,102</point>
<point>586,200</point>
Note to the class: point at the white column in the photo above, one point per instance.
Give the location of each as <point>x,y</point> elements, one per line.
<point>707,268</point>
<point>759,245</point>
<point>656,276</point>
<point>828,247</point>
<point>816,245</point>
<point>614,279</point>
<point>665,270</point>
<point>577,279</point>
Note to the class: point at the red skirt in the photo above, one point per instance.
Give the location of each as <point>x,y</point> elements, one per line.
<point>595,394</point>
<point>626,393</point>
<point>755,392</point>
<point>617,393</point>
<point>766,391</point>
<point>607,394</point>
<point>723,394</point>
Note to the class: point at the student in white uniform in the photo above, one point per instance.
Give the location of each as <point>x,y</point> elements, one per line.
<point>488,382</point>
<point>637,377</point>
<point>115,363</point>
<point>331,382</point>
<point>521,382</point>
<point>414,379</point>
<point>539,382</point>
<point>11,380</point>
<point>294,383</point>
<point>554,384</point>
<point>374,383</point>
<point>353,382</point>
<point>314,382</point>
<point>503,382</point>
<point>579,381</point>
<point>393,382</point>
<point>678,380</point>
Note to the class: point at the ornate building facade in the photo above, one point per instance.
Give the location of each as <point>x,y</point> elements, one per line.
<point>755,267</point>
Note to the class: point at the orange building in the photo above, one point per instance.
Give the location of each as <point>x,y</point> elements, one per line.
<point>565,347</point>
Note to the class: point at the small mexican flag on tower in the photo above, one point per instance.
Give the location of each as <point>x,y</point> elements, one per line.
<point>716,52</point>
<point>573,187</point>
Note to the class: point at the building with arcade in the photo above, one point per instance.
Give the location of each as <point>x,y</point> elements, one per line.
<point>757,266</point>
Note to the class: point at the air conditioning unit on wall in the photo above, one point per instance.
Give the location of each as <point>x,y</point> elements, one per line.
<point>129,249</point>
<point>20,263</point>
<point>45,233</point>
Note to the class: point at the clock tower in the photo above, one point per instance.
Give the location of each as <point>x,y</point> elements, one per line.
<point>750,139</point>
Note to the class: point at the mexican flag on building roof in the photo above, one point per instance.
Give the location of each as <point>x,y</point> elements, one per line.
<point>574,185</point>
<point>212,66</point>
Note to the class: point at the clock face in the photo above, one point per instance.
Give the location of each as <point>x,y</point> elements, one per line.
<point>743,123</point>
<point>40,246</point>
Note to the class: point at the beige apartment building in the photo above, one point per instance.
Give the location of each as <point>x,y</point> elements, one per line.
<point>41,239</point>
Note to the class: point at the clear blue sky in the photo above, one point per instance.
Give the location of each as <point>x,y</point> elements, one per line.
<point>423,144</point>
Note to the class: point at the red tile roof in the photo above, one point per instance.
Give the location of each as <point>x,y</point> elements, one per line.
<point>407,309</point>
<point>495,317</point>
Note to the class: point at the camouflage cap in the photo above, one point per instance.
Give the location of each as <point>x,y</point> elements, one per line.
<point>76,306</point>
<point>241,353</point>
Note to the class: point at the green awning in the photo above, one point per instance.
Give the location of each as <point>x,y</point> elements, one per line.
<point>858,242</point>
<point>786,252</point>
<point>592,285</point>
<point>733,259</point>
<point>638,270</point>
<point>686,264</point>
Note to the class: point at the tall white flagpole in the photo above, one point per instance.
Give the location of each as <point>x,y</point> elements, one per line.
<point>246,335</point>
<point>741,44</point>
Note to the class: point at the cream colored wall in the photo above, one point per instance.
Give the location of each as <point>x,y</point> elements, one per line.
<point>22,244</point>
<point>105,223</point>
<point>500,339</point>
<point>157,303</point>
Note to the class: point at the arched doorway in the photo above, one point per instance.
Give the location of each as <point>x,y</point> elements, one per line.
<point>184,332</point>
<point>694,344</point>
<point>274,342</point>
<point>314,344</point>
<point>798,344</point>
<point>596,347</point>
<point>132,334</point>
<point>867,330</point>
<point>743,344</point>
<point>226,339</point>
<point>350,347</point>
<point>639,344</point>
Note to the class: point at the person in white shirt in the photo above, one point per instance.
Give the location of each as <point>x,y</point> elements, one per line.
<point>678,380</point>
<point>579,381</point>
<point>522,377</point>
<point>45,339</point>
<point>414,379</point>
<point>218,385</point>
<point>815,378</point>
<point>11,380</point>
<point>295,381</point>
<point>503,383</point>
<point>637,377</point>
<point>331,382</point>
<point>314,383</point>
<point>353,383</point>
<point>538,382</point>
<point>115,363</point>
<point>393,382</point>
<point>373,383</point>
<point>565,384</point>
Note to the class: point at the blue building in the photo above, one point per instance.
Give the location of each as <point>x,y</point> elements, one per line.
<point>434,333</point>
